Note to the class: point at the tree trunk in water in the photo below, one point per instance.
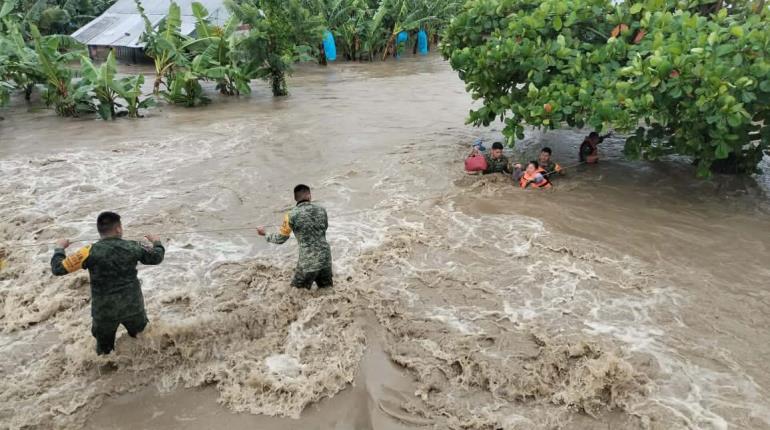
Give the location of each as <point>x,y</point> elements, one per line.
<point>322,57</point>
<point>278,81</point>
<point>387,46</point>
<point>156,84</point>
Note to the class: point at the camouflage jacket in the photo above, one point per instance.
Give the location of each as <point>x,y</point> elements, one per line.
<point>309,223</point>
<point>500,165</point>
<point>111,263</point>
<point>552,168</point>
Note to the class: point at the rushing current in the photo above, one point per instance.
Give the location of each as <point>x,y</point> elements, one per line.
<point>631,296</point>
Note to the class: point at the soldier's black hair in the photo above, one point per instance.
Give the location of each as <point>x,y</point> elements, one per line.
<point>593,134</point>
<point>301,192</point>
<point>106,222</point>
<point>497,145</point>
<point>547,150</point>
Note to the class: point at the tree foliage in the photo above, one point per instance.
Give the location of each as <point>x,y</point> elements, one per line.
<point>55,16</point>
<point>31,59</point>
<point>280,32</point>
<point>366,29</point>
<point>100,90</point>
<point>689,78</point>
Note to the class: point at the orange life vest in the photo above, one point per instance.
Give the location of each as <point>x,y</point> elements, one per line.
<point>527,180</point>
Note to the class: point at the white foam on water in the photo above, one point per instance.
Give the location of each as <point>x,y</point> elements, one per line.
<point>450,317</point>
<point>283,365</point>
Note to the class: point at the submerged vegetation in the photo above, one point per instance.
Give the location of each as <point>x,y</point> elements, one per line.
<point>689,77</point>
<point>262,39</point>
<point>683,77</point>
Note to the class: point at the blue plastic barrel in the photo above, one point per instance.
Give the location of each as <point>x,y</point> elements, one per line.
<point>422,42</point>
<point>330,49</point>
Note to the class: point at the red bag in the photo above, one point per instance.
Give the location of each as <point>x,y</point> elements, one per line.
<point>476,163</point>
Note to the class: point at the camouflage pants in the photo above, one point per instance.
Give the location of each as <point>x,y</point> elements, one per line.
<point>104,331</point>
<point>323,278</point>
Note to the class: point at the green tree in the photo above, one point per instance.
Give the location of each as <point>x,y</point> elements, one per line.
<point>54,54</point>
<point>100,91</point>
<point>682,78</point>
<point>130,89</point>
<point>98,86</point>
<point>19,68</point>
<point>215,54</point>
<point>280,33</point>
<point>56,16</point>
<point>164,44</point>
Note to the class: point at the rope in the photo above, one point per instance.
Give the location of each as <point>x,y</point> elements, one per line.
<point>564,168</point>
<point>245,228</point>
<point>173,233</point>
<point>184,233</point>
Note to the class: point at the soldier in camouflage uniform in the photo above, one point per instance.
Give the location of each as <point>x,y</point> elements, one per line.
<point>309,223</point>
<point>496,161</point>
<point>551,167</point>
<point>116,294</point>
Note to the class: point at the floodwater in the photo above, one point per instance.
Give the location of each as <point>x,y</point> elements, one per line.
<point>631,296</point>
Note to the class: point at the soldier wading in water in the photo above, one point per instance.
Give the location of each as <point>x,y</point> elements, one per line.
<point>309,223</point>
<point>116,294</point>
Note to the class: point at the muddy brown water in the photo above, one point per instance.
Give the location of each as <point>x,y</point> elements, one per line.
<point>630,296</point>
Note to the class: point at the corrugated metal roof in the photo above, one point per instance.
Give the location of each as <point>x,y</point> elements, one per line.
<point>121,24</point>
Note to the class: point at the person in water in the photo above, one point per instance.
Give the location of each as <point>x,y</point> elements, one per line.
<point>496,161</point>
<point>544,160</point>
<point>533,176</point>
<point>589,149</point>
<point>116,294</point>
<point>309,223</point>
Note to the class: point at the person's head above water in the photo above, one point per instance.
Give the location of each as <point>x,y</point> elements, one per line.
<point>497,150</point>
<point>545,156</point>
<point>594,138</point>
<point>301,193</point>
<point>108,224</point>
<point>532,167</point>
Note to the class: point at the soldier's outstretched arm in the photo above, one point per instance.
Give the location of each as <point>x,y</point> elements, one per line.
<point>284,233</point>
<point>152,255</point>
<point>61,264</point>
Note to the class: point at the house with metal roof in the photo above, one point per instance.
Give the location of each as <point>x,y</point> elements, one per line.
<point>121,26</point>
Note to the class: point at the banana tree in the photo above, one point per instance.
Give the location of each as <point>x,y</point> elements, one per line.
<point>408,15</point>
<point>214,57</point>
<point>53,57</point>
<point>185,89</point>
<point>442,13</point>
<point>280,33</point>
<point>374,33</point>
<point>352,31</point>
<point>130,89</point>
<point>5,91</point>
<point>5,14</point>
<point>334,15</point>
<point>6,86</point>
<point>19,60</point>
<point>100,86</point>
<point>164,44</point>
